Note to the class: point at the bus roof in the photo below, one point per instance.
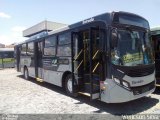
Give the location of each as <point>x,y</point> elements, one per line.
<point>105,17</point>
<point>102,17</point>
<point>6,49</point>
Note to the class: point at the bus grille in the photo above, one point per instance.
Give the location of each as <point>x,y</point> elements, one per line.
<point>140,72</point>
<point>143,89</point>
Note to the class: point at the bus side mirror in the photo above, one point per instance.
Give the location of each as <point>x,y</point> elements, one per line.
<point>114,39</point>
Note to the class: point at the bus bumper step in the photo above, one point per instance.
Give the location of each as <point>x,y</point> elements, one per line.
<point>86,94</point>
<point>157,85</point>
<point>39,79</point>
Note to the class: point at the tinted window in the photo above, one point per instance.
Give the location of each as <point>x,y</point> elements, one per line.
<point>1,55</point>
<point>30,49</point>
<point>8,54</point>
<point>64,39</point>
<point>64,50</point>
<point>50,41</point>
<point>50,51</point>
<point>40,48</point>
<point>130,20</point>
<point>23,49</point>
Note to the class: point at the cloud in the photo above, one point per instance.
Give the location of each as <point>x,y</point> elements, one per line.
<point>14,36</point>
<point>18,28</point>
<point>4,15</point>
<point>5,39</point>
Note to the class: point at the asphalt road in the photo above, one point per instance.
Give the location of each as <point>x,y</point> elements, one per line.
<point>20,96</point>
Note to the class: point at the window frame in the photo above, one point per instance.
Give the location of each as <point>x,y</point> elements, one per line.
<point>64,44</point>
<point>24,53</point>
<point>52,46</point>
<point>27,52</point>
<point>64,34</point>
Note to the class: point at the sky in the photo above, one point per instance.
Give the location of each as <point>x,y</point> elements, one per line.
<point>18,15</point>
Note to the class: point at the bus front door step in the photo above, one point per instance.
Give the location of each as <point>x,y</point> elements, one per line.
<point>157,85</point>
<point>39,79</point>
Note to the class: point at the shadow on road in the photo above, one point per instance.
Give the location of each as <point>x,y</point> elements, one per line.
<point>132,107</point>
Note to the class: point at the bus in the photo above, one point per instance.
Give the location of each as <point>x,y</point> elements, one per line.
<point>155,35</point>
<point>106,57</point>
<point>7,58</point>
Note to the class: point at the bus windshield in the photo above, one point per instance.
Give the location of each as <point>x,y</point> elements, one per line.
<point>133,48</point>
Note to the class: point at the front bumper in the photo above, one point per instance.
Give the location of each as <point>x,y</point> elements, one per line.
<point>118,94</point>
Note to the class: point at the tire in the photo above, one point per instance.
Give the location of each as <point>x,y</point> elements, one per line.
<point>26,75</point>
<point>68,86</point>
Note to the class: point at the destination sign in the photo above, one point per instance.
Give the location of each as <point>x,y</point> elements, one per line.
<point>88,21</point>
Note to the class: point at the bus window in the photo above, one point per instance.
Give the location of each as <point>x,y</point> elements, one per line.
<point>50,51</point>
<point>64,39</point>
<point>23,49</point>
<point>30,49</point>
<point>64,50</point>
<point>8,55</point>
<point>1,55</point>
<point>50,43</point>
<point>64,45</point>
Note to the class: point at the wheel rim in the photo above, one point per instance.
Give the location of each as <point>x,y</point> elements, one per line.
<point>69,85</point>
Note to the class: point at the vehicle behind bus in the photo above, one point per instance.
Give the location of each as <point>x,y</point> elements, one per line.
<point>7,58</point>
<point>155,33</point>
<point>107,57</point>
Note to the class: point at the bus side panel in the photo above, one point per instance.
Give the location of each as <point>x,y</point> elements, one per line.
<point>53,71</point>
<point>27,61</point>
<point>31,67</point>
<point>53,77</point>
<point>31,71</point>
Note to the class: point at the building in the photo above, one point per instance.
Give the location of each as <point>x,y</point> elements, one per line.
<point>10,46</point>
<point>2,45</point>
<point>42,28</point>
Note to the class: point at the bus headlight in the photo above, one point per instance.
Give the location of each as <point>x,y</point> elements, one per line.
<point>125,84</point>
<point>102,85</point>
<point>117,80</point>
<point>122,83</point>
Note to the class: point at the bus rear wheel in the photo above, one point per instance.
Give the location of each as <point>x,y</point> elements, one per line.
<point>68,86</point>
<point>26,75</point>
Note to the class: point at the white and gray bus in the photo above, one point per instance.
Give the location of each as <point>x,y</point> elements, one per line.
<point>7,58</point>
<point>107,57</point>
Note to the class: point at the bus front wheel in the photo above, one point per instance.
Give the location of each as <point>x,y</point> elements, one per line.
<point>68,86</point>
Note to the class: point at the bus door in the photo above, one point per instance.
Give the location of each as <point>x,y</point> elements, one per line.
<point>1,59</point>
<point>17,57</point>
<point>88,58</point>
<point>38,60</point>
